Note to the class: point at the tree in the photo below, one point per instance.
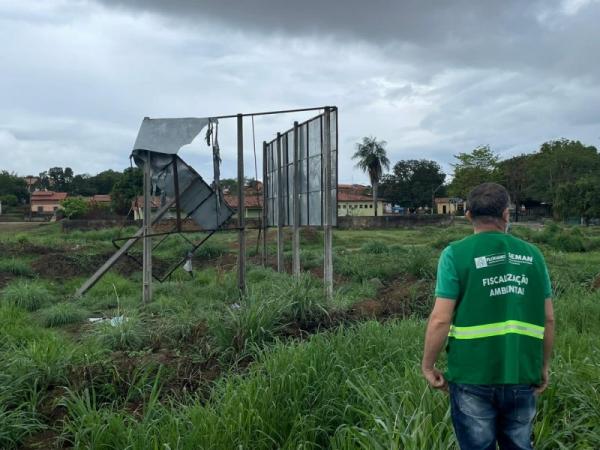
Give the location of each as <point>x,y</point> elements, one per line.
<point>515,174</point>
<point>56,177</point>
<point>372,159</point>
<point>580,198</point>
<point>104,182</point>
<point>126,189</point>
<point>472,169</point>
<point>74,208</point>
<point>559,162</point>
<point>81,185</point>
<point>412,182</point>
<point>13,185</point>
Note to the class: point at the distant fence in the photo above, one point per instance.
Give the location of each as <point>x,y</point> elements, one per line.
<point>409,221</point>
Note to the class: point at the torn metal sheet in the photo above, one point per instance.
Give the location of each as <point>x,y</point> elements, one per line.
<point>197,199</point>
<point>168,135</point>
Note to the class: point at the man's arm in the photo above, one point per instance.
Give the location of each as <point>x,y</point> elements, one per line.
<point>548,344</point>
<point>435,337</point>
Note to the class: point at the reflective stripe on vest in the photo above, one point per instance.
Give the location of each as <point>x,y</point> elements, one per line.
<point>497,329</point>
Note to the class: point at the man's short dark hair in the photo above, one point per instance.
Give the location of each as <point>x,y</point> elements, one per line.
<point>487,201</point>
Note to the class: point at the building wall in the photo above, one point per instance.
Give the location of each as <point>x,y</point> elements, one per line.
<point>447,208</point>
<point>47,206</point>
<point>359,209</point>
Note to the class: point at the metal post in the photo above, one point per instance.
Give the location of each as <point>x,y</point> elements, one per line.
<point>264,210</point>
<point>241,207</point>
<point>296,206</point>
<point>327,207</point>
<point>147,243</point>
<point>280,208</point>
<point>176,185</point>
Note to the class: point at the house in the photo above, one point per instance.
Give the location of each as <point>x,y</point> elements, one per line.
<point>253,208</point>
<point>101,199</point>
<point>353,204</point>
<point>46,203</point>
<point>252,203</point>
<point>137,206</point>
<point>450,205</point>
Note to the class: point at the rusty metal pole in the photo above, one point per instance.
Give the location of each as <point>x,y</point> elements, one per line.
<point>265,213</point>
<point>147,225</point>
<point>280,207</point>
<point>296,206</point>
<point>241,206</point>
<point>327,207</point>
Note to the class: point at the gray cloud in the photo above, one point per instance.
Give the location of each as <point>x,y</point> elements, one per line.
<point>431,78</point>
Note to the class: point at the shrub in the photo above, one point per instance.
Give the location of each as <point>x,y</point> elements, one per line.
<point>126,334</point>
<point>74,208</point>
<point>375,247</point>
<point>252,322</point>
<point>310,259</point>
<point>29,295</point>
<point>16,267</point>
<point>305,298</point>
<point>419,262</point>
<point>210,250</point>
<point>61,314</point>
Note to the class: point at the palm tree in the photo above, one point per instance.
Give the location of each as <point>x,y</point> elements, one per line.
<point>372,159</point>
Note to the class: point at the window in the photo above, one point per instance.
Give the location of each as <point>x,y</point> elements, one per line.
<point>371,206</point>
<point>360,206</point>
<point>54,208</point>
<point>40,209</point>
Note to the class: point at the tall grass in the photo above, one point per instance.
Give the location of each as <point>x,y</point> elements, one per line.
<point>27,294</point>
<point>16,267</point>
<point>61,314</point>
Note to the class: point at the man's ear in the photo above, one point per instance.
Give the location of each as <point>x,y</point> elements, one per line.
<point>468,216</point>
<point>506,215</point>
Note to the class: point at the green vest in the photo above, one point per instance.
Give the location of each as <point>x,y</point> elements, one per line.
<point>497,332</point>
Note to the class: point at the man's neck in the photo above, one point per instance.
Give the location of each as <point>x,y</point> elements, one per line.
<point>482,228</point>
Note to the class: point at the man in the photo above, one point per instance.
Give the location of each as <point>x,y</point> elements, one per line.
<point>493,304</point>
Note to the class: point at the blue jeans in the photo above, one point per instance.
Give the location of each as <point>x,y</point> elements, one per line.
<point>484,415</point>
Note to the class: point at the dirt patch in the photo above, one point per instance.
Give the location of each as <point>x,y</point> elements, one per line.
<point>44,440</point>
<point>5,278</point>
<point>59,265</point>
<point>595,283</point>
<point>23,248</point>
<point>65,265</point>
<point>402,297</point>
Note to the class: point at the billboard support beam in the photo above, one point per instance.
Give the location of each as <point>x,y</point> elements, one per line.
<point>296,207</point>
<point>264,209</point>
<point>147,242</point>
<point>327,207</point>
<point>280,208</point>
<point>241,206</point>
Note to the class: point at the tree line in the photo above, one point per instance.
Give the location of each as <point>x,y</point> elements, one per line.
<point>122,186</point>
<point>562,173</point>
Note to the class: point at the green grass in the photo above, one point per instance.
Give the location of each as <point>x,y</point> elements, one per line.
<point>16,267</point>
<point>126,333</point>
<point>148,381</point>
<point>27,294</point>
<point>61,314</point>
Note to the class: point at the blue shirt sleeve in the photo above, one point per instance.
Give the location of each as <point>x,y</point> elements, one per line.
<point>447,283</point>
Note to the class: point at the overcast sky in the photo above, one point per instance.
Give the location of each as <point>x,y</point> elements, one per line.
<point>432,78</point>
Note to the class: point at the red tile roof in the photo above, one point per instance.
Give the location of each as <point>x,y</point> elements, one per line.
<point>250,200</point>
<point>48,196</point>
<point>138,202</point>
<point>345,196</point>
<point>101,198</point>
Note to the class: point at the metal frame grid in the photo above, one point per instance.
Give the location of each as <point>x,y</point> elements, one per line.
<point>310,158</point>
